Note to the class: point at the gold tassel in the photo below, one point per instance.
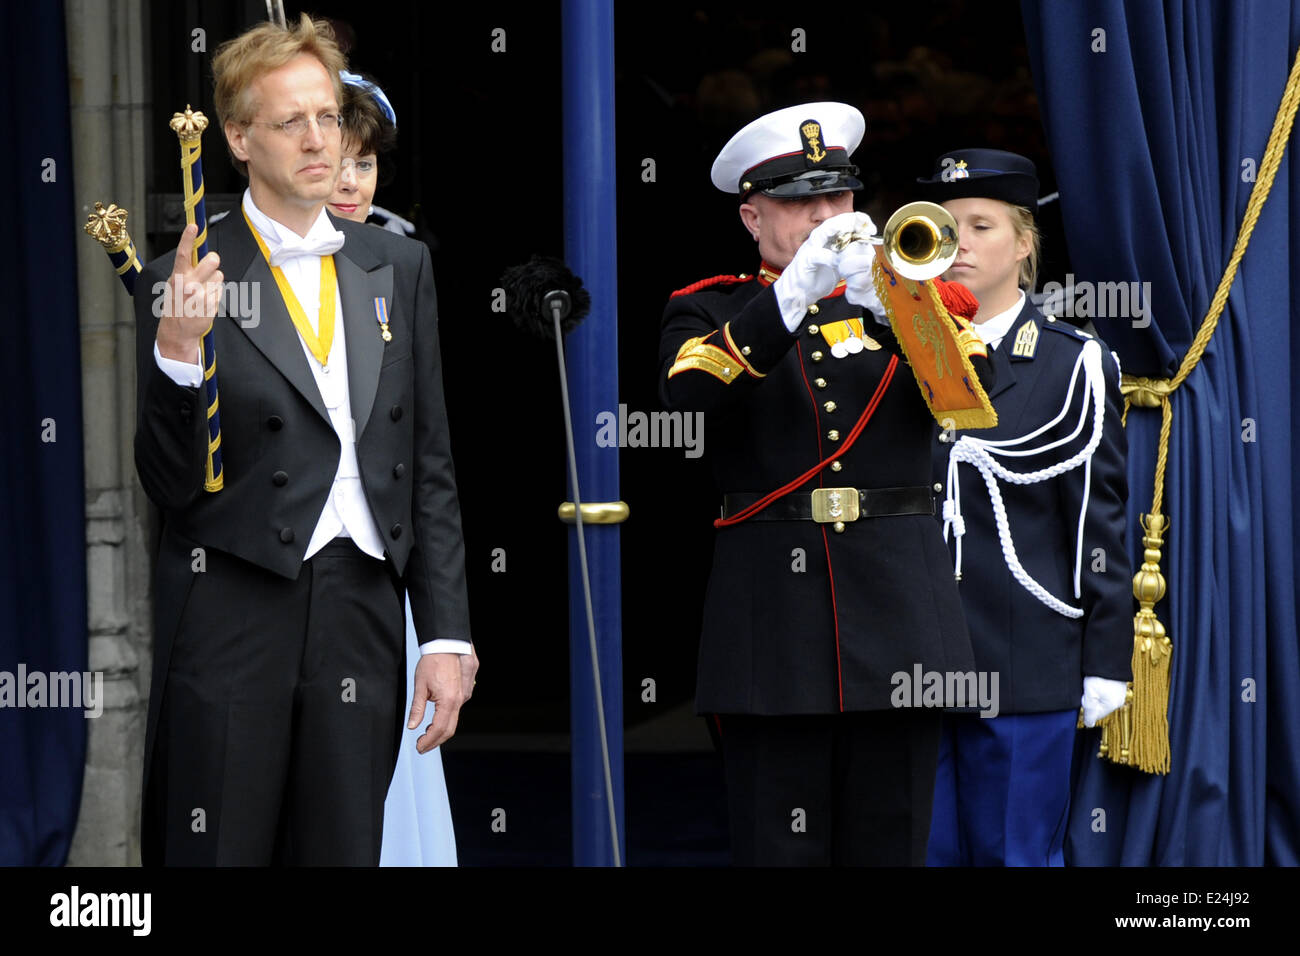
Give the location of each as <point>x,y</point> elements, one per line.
<point>1137,734</point>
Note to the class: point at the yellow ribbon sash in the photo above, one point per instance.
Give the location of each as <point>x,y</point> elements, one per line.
<point>320,347</point>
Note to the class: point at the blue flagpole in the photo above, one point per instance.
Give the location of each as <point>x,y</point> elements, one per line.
<point>592,361</point>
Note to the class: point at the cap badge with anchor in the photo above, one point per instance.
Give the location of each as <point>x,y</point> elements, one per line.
<point>793,153</point>
<point>811,131</point>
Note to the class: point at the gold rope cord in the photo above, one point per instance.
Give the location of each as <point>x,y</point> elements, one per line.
<point>1138,733</point>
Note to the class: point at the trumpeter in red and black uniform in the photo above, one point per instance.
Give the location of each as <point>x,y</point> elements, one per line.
<point>811,610</point>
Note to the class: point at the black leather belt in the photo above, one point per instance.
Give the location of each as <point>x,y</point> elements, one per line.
<point>836,505</point>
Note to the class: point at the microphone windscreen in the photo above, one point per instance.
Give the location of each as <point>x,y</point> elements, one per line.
<point>526,287</point>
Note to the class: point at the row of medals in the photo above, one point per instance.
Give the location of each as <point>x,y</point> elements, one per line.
<point>848,337</point>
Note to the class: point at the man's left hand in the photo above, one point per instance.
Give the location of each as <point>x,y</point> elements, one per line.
<point>438,680</point>
<point>468,670</point>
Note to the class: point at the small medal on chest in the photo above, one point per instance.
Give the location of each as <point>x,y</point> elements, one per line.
<point>381,316</point>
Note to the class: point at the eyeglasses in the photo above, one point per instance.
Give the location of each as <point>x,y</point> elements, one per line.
<point>328,123</point>
<point>360,167</point>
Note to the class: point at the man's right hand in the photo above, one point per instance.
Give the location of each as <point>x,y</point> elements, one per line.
<point>187,316</point>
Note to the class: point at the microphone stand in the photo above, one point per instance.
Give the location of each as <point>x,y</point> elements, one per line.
<point>559,304</point>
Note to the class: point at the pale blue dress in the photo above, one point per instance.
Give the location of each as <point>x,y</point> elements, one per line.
<point>417,814</point>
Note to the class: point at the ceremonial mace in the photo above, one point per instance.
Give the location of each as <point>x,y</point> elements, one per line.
<point>108,228</point>
<point>548,301</point>
<point>189,127</point>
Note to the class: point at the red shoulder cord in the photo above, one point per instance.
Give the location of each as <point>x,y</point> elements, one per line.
<point>784,490</point>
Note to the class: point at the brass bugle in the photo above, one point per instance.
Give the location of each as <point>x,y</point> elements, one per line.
<point>919,240</point>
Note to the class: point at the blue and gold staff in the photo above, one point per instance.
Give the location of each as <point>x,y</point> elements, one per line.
<point>189,127</point>
<point>107,226</point>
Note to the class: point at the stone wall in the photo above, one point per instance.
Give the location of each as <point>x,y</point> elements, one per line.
<point>107,41</point>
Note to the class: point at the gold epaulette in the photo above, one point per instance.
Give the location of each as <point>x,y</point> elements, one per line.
<point>697,354</point>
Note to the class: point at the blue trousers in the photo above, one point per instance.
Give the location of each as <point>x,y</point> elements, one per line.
<point>1002,790</point>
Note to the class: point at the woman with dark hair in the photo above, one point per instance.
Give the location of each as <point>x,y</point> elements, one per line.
<point>1035,510</point>
<point>369,132</point>
<point>417,815</point>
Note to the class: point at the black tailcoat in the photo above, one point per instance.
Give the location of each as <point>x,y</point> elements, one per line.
<point>280,451</point>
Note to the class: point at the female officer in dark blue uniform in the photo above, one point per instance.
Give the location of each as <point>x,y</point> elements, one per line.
<point>1046,584</point>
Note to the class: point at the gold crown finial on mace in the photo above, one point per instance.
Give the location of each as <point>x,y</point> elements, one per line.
<point>108,226</point>
<point>189,126</point>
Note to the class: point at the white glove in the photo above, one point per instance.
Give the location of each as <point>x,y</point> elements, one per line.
<point>812,274</point>
<point>1101,696</point>
<point>857,269</point>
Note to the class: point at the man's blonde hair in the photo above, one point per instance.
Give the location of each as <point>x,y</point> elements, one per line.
<point>1022,221</point>
<point>268,46</point>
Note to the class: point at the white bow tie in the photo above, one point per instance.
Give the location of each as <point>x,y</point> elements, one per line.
<point>323,245</point>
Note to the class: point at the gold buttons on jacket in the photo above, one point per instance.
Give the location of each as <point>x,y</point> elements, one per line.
<point>839,527</point>
<point>830,406</point>
<point>813,310</point>
<point>814,329</point>
<point>745,350</point>
<point>833,434</point>
<point>938,486</point>
<point>816,356</point>
<point>819,382</point>
<point>836,466</point>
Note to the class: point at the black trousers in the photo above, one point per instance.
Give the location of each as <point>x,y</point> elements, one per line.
<point>282,714</point>
<point>850,789</point>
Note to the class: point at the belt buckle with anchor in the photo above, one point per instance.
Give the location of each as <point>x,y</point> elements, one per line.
<point>835,505</point>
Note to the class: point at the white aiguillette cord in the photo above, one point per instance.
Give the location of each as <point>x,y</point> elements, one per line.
<point>979,452</point>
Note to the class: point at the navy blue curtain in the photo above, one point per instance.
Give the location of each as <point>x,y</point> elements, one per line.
<point>1155,139</point>
<point>42,512</point>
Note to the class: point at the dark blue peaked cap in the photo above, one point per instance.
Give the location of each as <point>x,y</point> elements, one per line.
<point>983,174</point>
